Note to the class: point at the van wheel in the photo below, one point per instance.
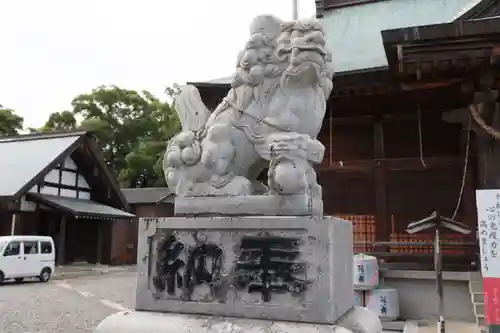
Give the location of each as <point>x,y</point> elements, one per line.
<point>19,280</point>
<point>45,274</point>
<point>2,277</point>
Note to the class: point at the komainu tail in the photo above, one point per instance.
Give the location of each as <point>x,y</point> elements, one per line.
<point>192,113</point>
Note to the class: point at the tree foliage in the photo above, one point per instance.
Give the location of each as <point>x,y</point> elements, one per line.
<point>60,121</point>
<point>131,127</point>
<point>10,122</point>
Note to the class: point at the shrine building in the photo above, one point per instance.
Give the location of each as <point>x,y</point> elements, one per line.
<point>58,185</point>
<point>411,127</point>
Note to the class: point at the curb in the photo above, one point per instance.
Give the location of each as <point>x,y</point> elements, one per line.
<point>88,273</point>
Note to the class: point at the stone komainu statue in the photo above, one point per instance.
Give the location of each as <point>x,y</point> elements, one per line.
<point>269,119</point>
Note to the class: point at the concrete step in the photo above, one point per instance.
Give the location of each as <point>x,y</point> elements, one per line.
<point>478,298</point>
<point>476,286</point>
<point>479,309</point>
<point>393,326</point>
<point>475,276</point>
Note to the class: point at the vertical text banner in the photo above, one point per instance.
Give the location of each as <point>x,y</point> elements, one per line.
<point>488,217</point>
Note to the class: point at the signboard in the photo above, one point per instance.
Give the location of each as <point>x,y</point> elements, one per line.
<point>488,217</point>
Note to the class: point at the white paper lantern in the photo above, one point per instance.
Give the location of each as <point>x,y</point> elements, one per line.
<point>384,302</point>
<point>366,272</point>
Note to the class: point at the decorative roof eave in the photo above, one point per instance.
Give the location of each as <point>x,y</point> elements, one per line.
<point>456,29</point>
<point>480,9</point>
<point>94,217</point>
<point>405,45</point>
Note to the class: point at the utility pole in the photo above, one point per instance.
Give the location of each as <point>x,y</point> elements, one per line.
<point>295,9</point>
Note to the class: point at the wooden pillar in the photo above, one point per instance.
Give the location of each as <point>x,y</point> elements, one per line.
<point>61,244</point>
<point>382,223</point>
<point>13,224</point>
<point>100,239</point>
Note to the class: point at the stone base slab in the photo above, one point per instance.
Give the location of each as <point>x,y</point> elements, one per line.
<point>262,267</point>
<point>253,205</point>
<point>357,321</point>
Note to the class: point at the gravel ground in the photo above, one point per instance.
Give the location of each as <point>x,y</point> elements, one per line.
<point>69,306</point>
<point>65,306</point>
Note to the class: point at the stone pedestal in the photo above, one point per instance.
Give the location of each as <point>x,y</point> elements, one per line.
<point>358,320</point>
<point>254,274</point>
<point>262,267</point>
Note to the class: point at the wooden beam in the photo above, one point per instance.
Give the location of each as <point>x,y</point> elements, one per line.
<point>428,85</point>
<point>368,119</point>
<point>356,120</point>
<point>382,223</point>
<point>348,166</point>
<point>416,164</point>
<point>393,164</point>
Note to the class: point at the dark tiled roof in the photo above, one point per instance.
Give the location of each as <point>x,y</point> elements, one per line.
<point>80,207</point>
<point>147,195</point>
<point>354,33</point>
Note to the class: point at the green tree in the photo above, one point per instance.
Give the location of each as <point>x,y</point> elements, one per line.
<point>144,162</point>
<point>60,121</point>
<point>10,122</point>
<point>132,129</point>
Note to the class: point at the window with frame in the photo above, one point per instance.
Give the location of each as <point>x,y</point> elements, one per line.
<point>12,249</point>
<point>46,247</point>
<point>30,247</point>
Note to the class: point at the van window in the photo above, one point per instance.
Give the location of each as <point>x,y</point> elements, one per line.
<point>12,249</point>
<point>46,247</point>
<point>30,247</point>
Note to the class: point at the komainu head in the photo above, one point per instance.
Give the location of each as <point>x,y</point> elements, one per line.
<point>309,62</point>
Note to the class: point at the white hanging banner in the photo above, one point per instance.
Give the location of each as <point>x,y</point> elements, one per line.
<point>488,217</point>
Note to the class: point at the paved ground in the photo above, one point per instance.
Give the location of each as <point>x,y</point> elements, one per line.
<point>64,306</point>
<point>78,305</point>
<point>452,327</point>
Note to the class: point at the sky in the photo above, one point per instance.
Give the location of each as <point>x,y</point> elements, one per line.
<point>53,50</point>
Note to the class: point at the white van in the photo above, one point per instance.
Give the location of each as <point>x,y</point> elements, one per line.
<point>25,257</point>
